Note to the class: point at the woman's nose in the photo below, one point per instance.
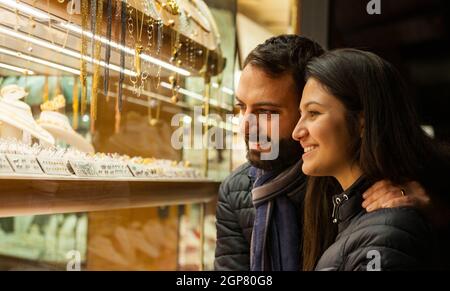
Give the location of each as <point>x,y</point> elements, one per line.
<point>299,131</point>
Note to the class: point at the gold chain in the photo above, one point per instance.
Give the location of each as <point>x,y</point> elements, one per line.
<point>160,38</point>
<point>132,42</point>
<point>84,47</point>
<point>138,47</point>
<point>147,66</point>
<point>75,103</point>
<point>97,52</point>
<point>45,95</point>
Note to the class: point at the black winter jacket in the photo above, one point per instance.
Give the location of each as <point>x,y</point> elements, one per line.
<point>386,239</point>
<point>235,216</point>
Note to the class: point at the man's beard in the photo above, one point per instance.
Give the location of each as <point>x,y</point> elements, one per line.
<point>289,153</point>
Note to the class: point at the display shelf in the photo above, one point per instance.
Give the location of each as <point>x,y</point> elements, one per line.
<point>34,195</point>
<point>10,263</point>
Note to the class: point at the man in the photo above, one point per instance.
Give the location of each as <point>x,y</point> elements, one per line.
<point>271,84</point>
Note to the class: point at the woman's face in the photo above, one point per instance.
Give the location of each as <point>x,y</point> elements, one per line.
<point>323,132</point>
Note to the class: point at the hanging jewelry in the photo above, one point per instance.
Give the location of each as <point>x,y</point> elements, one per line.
<point>132,42</point>
<point>28,47</point>
<point>117,116</point>
<point>97,55</point>
<point>123,31</point>
<point>45,93</point>
<point>138,49</point>
<point>93,30</point>
<point>137,53</point>
<point>57,87</point>
<point>186,51</point>
<point>173,80</point>
<point>50,28</point>
<point>148,49</point>
<point>109,11</point>
<point>191,53</point>
<point>160,38</point>
<point>75,104</point>
<point>83,66</point>
<point>117,17</point>
<point>204,69</point>
<point>176,50</point>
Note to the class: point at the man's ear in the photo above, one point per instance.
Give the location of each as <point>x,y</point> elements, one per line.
<point>361,124</point>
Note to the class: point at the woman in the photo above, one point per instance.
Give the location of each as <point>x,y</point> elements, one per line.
<point>357,127</point>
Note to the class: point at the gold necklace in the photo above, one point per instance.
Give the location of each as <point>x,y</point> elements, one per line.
<point>138,50</point>
<point>118,114</point>
<point>57,87</point>
<point>109,11</point>
<point>122,7</point>
<point>160,39</point>
<point>149,28</point>
<point>97,52</point>
<point>45,95</point>
<point>75,104</point>
<point>175,79</point>
<point>28,47</point>
<point>132,42</point>
<point>84,47</point>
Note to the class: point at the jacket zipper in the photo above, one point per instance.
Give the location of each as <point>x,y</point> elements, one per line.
<point>337,202</point>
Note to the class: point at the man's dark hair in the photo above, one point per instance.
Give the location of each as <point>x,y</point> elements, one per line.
<point>285,54</point>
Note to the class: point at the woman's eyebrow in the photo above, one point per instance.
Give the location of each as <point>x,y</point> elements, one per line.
<point>313,102</point>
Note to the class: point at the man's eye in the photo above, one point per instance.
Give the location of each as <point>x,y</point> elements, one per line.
<point>268,112</point>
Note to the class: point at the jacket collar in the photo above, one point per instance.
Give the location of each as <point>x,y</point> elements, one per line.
<point>347,204</point>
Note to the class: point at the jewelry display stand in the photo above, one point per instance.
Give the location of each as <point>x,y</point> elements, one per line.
<point>125,69</point>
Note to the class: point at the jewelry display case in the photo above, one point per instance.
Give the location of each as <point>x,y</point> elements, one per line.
<point>106,113</point>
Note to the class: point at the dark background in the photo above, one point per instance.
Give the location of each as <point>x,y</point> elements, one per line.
<point>411,34</point>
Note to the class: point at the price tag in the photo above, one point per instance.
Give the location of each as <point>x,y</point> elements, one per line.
<point>54,166</point>
<point>5,167</point>
<point>142,171</point>
<point>24,164</point>
<point>107,169</point>
<point>83,168</point>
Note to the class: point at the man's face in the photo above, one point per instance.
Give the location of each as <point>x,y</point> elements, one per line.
<point>260,94</point>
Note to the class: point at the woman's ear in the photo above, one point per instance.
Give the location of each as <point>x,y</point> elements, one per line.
<point>361,124</point>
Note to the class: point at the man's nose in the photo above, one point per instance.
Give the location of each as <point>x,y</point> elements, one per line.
<point>249,123</point>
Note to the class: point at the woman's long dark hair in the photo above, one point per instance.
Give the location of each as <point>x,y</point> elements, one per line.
<point>392,146</point>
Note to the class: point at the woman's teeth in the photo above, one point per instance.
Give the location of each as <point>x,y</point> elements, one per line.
<point>308,149</point>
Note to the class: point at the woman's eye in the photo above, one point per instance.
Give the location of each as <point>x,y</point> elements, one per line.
<point>313,113</point>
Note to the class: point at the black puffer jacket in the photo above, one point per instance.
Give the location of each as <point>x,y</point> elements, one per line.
<point>235,215</point>
<point>387,239</point>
